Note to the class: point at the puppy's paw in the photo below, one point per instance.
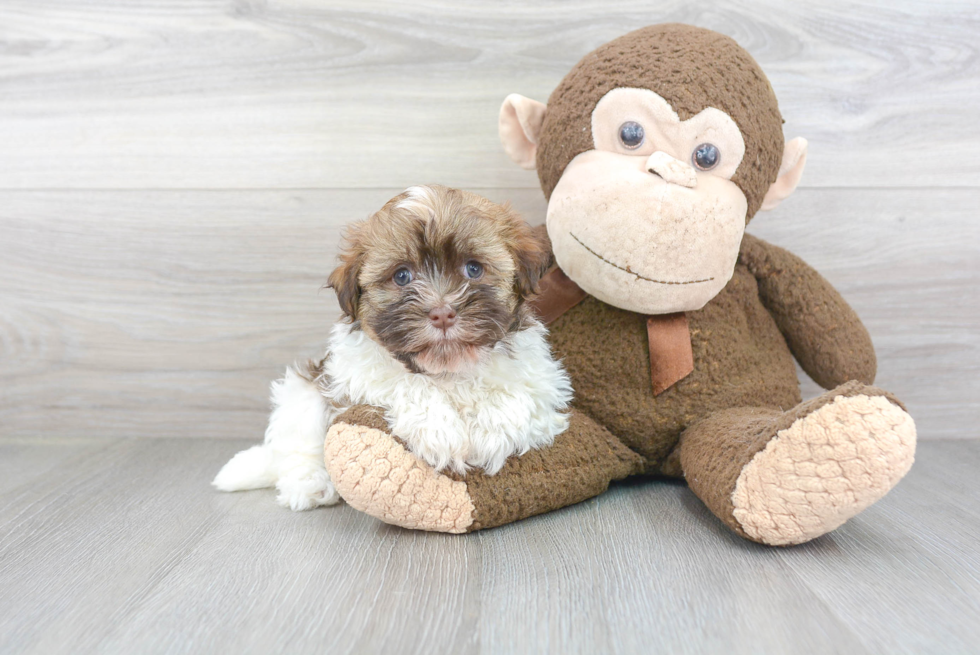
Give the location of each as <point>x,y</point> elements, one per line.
<point>300,499</point>
<point>440,457</point>
<point>305,484</point>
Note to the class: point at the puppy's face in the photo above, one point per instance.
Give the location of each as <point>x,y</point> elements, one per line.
<point>438,276</point>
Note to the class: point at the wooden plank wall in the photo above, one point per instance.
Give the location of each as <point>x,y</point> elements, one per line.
<point>174,177</point>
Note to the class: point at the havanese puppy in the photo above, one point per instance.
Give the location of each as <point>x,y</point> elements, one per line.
<point>436,333</point>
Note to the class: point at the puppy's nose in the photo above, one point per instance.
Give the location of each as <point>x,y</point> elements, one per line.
<point>442,317</point>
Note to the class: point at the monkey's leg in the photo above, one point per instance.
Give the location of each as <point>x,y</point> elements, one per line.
<point>783,478</point>
<point>376,474</point>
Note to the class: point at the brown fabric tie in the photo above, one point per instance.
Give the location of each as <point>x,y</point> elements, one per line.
<point>671,356</point>
<point>556,295</point>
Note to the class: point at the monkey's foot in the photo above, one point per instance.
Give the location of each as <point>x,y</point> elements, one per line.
<point>823,469</point>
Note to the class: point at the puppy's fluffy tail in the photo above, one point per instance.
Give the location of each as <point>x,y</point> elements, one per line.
<point>250,469</point>
<point>297,427</point>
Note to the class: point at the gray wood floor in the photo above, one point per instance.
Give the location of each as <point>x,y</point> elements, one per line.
<point>173,180</point>
<point>118,546</point>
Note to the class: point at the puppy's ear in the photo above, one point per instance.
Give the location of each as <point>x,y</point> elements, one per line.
<point>343,279</point>
<point>532,253</point>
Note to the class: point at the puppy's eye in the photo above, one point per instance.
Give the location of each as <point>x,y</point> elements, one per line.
<point>402,277</point>
<point>631,134</point>
<point>473,270</point>
<point>706,156</point>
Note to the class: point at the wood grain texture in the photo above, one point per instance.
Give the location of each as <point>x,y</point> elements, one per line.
<point>128,550</point>
<point>168,313</point>
<point>348,94</point>
<point>644,569</point>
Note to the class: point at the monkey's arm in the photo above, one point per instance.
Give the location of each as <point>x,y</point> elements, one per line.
<point>823,332</point>
<point>375,473</point>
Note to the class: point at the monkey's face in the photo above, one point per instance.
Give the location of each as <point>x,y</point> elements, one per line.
<point>649,220</point>
<point>646,211</point>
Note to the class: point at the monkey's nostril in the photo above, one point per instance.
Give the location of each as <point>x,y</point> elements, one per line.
<point>442,317</point>
<point>650,170</point>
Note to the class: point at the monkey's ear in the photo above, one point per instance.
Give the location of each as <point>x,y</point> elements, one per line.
<point>343,280</point>
<point>790,172</point>
<point>520,125</point>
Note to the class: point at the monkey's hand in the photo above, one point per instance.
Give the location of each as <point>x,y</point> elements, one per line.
<point>823,332</point>
<point>376,474</point>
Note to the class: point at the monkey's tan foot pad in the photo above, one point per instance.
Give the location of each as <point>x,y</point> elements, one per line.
<point>823,469</point>
<point>375,474</point>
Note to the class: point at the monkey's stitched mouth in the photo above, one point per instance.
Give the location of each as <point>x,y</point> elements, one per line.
<point>638,276</point>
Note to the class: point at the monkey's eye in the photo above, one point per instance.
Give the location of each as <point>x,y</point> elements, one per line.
<point>402,276</point>
<point>473,270</point>
<point>631,134</point>
<point>706,156</point>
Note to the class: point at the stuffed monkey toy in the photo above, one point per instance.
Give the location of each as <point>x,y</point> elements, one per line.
<point>678,329</point>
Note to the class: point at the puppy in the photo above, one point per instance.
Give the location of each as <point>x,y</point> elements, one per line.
<point>436,333</point>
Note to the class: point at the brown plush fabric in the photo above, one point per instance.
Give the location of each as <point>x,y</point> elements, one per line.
<point>714,450</point>
<point>668,335</point>
<point>740,360</point>
<point>578,466</point>
<point>370,417</point>
<point>690,67</point>
<point>739,341</point>
<point>366,415</point>
<point>823,332</point>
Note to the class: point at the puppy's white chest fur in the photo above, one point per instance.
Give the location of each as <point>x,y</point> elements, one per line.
<point>513,400</point>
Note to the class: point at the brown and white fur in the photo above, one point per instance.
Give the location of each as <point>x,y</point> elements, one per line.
<point>436,333</point>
